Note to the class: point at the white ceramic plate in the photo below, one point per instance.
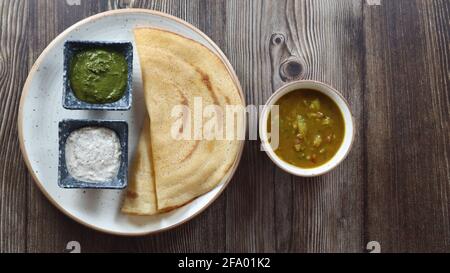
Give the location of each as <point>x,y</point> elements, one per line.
<point>41,110</point>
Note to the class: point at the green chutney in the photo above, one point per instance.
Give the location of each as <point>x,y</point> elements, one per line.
<point>98,75</point>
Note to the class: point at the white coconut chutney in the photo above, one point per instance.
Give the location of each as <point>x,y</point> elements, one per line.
<point>93,154</point>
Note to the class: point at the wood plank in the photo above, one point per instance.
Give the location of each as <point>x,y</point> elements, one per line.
<point>249,207</point>
<point>328,210</point>
<point>272,211</point>
<point>407,123</point>
<point>14,179</point>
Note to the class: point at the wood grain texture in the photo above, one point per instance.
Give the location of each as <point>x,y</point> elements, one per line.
<point>14,178</point>
<point>306,215</point>
<point>390,61</point>
<point>407,129</point>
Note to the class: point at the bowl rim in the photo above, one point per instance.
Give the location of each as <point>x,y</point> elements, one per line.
<point>292,169</point>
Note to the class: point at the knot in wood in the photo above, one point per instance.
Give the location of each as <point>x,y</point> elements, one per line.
<point>277,39</point>
<point>291,69</point>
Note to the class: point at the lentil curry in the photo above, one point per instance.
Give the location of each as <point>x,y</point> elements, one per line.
<point>311,128</point>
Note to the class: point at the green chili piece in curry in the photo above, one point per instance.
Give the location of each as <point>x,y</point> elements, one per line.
<point>311,128</point>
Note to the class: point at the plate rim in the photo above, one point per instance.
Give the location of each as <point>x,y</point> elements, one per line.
<point>26,88</point>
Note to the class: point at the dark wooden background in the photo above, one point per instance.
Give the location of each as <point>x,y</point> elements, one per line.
<point>389,58</point>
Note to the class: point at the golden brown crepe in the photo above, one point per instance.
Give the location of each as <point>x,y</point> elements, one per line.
<point>141,197</point>
<point>177,71</point>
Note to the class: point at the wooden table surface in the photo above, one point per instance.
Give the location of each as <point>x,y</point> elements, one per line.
<point>389,58</point>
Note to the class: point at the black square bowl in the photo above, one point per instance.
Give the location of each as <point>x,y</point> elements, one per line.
<point>65,180</point>
<point>70,101</point>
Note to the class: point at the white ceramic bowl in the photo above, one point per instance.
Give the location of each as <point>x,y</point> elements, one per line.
<point>348,120</point>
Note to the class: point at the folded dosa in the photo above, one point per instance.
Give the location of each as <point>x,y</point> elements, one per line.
<point>176,71</point>
<point>141,197</point>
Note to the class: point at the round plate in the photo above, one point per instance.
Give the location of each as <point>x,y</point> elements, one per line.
<point>41,109</point>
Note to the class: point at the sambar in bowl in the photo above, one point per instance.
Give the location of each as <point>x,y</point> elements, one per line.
<point>307,128</point>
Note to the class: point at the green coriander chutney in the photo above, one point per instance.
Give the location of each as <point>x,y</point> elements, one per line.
<point>98,75</point>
